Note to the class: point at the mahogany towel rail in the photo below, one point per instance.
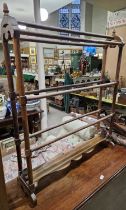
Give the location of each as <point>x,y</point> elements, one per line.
<point>11,32</point>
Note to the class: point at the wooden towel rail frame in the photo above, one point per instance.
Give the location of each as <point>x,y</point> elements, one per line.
<point>11,31</point>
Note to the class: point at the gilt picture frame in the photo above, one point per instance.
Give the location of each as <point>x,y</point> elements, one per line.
<point>33,59</point>
<point>32,51</point>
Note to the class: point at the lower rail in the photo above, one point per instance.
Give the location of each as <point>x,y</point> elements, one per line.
<point>70,133</point>
<point>70,91</point>
<point>68,121</point>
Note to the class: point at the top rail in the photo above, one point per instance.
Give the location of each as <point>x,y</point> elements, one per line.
<point>47,41</point>
<point>58,29</point>
<point>63,123</point>
<point>70,133</point>
<point>67,38</point>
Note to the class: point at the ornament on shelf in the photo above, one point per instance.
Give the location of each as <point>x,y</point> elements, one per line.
<point>83,64</point>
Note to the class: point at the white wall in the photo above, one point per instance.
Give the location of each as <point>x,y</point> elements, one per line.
<point>95,19</point>
<point>82,12</point>
<point>99,20</point>
<point>52,19</point>
<point>88,17</point>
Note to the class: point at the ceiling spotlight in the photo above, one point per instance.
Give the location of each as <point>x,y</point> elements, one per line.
<point>22,27</point>
<point>43,14</point>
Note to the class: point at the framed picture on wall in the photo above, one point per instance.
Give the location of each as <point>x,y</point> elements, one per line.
<point>46,61</point>
<point>48,53</point>
<point>32,51</point>
<point>55,62</point>
<point>64,54</point>
<point>50,61</point>
<point>68,62</point>
<point>33,59</point>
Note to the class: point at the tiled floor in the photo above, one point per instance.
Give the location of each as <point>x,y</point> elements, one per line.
<point>10,161</point>
<point>55,117</point>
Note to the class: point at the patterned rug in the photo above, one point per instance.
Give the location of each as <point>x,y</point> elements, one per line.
<point>39,157</point>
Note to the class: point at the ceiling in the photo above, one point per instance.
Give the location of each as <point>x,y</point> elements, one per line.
<point>112,5</point>
<point>23,9</point>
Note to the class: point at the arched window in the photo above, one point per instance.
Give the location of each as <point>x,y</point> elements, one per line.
<point>69,16</point>
<point>75,15</point>
<point>64,18</point>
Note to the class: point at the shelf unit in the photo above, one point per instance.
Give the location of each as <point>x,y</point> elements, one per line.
<point>24,60</point>
<point>58,58</point>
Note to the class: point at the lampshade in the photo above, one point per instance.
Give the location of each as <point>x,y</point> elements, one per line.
<point>43,14</point>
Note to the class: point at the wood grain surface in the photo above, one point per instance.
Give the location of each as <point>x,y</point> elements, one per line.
<point>76,186</point>
<point>3,195</point>
<point>63,161</point>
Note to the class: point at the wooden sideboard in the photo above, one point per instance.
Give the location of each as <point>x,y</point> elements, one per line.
<point>34,118</point>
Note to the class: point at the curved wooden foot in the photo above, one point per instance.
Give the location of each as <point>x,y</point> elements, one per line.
<point>29,192</point>
<point>33,199</point>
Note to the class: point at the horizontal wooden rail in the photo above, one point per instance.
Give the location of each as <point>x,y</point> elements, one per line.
<point>70,133</point>
<point>67,38</point>
<point>57,29</point>
<point>61,87</point>
<point>64,123</point>
<point>47,41</point>
<point>70,91</point>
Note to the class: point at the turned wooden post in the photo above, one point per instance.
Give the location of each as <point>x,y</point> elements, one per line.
<point>102,79</point>
<point>12,94</point>
<point>21,91</point>
<point>116,86</point>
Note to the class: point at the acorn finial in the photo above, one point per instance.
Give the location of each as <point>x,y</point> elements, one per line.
<point>5,9</point>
